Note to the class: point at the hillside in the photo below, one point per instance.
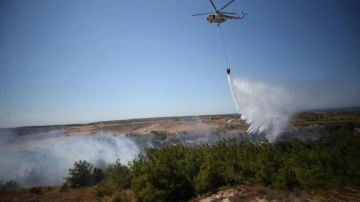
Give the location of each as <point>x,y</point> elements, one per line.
<point>188,130</point>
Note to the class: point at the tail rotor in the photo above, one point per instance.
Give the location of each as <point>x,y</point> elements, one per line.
<point>243,14</point>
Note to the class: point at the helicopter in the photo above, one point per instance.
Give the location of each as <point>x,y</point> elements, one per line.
<point>218,16</point>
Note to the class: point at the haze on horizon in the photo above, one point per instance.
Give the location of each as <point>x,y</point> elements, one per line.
<point>64,62</point>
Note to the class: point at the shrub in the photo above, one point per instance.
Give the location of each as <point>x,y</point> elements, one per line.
<point>84,174</point>
<point>102,189</point>
<point>80,175</point>
<point>8,186</point>
<point>120,197</point>
<point>98,191</point>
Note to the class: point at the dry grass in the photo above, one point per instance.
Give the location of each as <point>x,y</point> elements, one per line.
<point>48,194</point>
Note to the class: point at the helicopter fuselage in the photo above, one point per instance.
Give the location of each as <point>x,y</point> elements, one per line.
<point>216,18</point>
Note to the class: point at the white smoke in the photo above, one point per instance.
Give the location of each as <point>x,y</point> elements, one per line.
<point>266,109</point>
<point>34,164</point>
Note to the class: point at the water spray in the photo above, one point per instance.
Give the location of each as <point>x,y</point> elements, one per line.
<point>265,108</point>
<point>232,92</point>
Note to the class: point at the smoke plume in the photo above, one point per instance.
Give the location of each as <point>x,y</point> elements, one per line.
<point>46,159</point>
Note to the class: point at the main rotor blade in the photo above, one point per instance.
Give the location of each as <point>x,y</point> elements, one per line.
<point>226,5</point>
<point>202,14</point>
<point>212,3</point>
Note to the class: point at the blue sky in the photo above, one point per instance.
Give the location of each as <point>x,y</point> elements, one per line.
<point>80,61</point>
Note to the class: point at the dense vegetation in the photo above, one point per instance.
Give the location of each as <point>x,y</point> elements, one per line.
<point>178,173</point>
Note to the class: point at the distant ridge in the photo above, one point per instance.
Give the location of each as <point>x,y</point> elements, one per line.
<point>162,118</point>
<point>61,126</point>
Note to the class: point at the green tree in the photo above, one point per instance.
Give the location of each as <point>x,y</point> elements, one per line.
<point>97,175</point>
<point>81,174</point>
<point>84,174</point>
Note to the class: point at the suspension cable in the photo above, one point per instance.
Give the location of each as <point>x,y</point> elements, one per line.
<point>223,42</point>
